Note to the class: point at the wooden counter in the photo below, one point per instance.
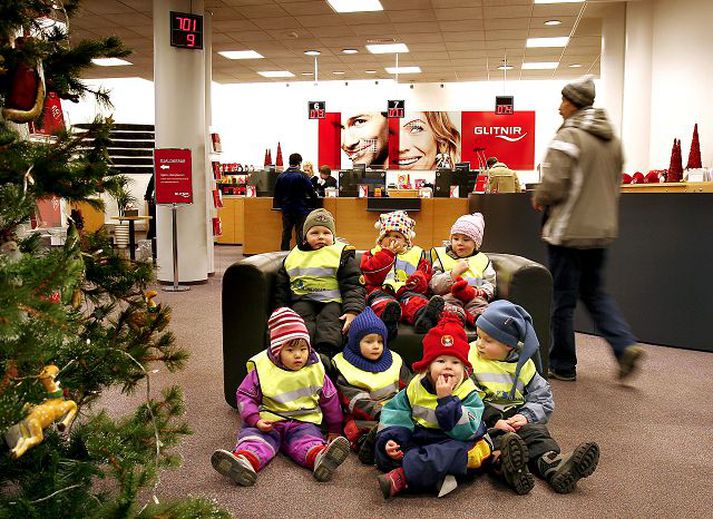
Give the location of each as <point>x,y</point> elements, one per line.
<point>233,218</point>
<point>669,187</point>
<point>263,225</point>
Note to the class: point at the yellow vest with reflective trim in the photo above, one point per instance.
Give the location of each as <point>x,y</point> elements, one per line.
<point>476,265</point>
<point>381,386</point>
<point>313,273</point>
<point>496,378</point>
<point>286,394</point>
<point>404,265</point>
<point>423,403</point>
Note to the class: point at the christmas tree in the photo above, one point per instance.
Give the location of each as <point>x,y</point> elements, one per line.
<point>78,314</point>
<point>278,160</point>
<point>675,168</point>
<point>694,155</point>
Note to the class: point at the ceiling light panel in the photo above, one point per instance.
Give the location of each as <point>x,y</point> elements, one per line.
<point>540,65</point>
<point>387,48</point>
<point>241,54</point>
<point>276,73</point>
<point>560,41</point>
<point>558,1</point>
<point>403,70</point>
<point>111,62</point>
<point>355,6</point>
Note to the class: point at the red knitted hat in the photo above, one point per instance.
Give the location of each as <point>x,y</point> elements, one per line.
<point>446,338</point>
<point>285,325</point>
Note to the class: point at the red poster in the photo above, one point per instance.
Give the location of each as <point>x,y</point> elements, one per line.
<point>510,138</point>
<point>329,135</point>
<point>174,178</point>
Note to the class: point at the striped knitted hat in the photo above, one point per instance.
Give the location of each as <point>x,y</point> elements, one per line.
<point>285,325</point>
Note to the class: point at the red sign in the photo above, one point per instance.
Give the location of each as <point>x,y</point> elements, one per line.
<point>510,138</point>
<point>174,178</point>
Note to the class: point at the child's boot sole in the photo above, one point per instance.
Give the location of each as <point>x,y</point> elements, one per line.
<point>580,464</point>
<point>514,464</point>
<point>226,464</point>
<point>335,454</point>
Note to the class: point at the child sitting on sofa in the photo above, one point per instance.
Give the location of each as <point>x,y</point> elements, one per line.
<point>462,274</point>
<point>367,375</point>
<point>396,274</point>
<point>518,400</point>
<point>279,414</point>
<point>320,280</point>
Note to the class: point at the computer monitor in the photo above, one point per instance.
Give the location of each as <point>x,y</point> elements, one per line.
<point>348,182</point>
<point>464,179</point>
<point>264,181</point>
<point>374,179</point>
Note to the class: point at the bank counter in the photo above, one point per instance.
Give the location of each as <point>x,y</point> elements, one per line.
<point>660,270</point>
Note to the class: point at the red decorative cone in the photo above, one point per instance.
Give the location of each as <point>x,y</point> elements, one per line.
<point>278,160</point>
<point>267,157</point>
<point>675,168</point>
<point>694,155</point>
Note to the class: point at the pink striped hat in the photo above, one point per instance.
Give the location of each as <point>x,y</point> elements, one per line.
<point>285,325</point>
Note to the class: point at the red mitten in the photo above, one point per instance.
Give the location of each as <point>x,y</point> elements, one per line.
<point>417,282</point>
<point>462,290</point>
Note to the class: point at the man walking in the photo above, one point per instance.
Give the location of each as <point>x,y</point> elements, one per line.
<point>579,194</point>
<point>295,197</point>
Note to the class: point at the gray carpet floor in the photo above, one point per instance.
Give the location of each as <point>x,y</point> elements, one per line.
<point>655,437</point>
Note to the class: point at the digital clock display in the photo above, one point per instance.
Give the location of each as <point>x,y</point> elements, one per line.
<point>186,30</point>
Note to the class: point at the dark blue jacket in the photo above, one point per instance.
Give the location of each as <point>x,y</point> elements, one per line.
<point>294,193</point>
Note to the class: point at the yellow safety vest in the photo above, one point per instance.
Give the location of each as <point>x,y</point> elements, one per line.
<point>476,265</point>
<point>288,394</point>
<point>496,379</point>
<point>313,273</point>
<point>404,265</point>
<point>381,387</point>
<point>423,403</point>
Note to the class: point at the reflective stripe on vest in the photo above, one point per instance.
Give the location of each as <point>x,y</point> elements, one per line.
<point>423,403</point>
<point>496,378</point>
<point>476,265</point>
<point>313,273</point>
<point>288,394</point>
<point>404,265</point>
<point>380,387</point>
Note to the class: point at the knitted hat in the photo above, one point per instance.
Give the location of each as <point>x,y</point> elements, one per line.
<point>319,217</point>
<point>581,92</point>
<point>472,226</point>
<point>285,325</point>
<point>365,323</point>
<point>512,325</point>
<point>398,221</point>
<point>446,338</point>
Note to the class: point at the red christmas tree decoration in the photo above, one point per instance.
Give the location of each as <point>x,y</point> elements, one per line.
<point>278,161</point>
<point>267,158</point>
<point>675,168</point>
<point>694,155</point>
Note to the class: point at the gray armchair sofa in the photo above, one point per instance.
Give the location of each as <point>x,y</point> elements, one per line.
<point>247,303</point>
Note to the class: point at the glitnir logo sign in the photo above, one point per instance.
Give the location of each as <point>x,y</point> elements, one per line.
<point>510,138</point>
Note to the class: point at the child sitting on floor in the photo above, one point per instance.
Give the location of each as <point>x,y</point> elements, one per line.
<point>396,274</point>
<point>432,431</point>
<point>320,280</point>
<point>518,400</point>
<point>368,374</point>
<point>282,402</point>
<point>462,274</point>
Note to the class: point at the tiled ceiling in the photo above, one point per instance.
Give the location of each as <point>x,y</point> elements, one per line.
<point>451,40</point>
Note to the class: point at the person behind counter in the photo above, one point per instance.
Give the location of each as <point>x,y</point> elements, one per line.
<point>323,180</point>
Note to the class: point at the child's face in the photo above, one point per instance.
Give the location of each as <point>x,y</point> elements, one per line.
<point>462,245</point>
<point>371,346</point>
<point>489,348</point>
<point>319,236</point>
<point>294,354</point>
<point>393,237</point>
<point>448,366</point>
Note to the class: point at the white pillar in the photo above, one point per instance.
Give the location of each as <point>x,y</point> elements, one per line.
<point>179,82</point>
<point>210,183</point>
<point>636,120</point>
<point>610,95</point>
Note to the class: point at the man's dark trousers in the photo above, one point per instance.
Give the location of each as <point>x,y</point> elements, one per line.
<point>579,273</point>
<point>290,220</point>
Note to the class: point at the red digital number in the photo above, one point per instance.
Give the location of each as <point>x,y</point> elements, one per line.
<point>191,40</point>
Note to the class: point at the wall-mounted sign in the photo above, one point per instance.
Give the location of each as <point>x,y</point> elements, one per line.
<point>510,138</point>
<point>173,176</point>
<point>317,109</point>
<point>396,109</point>
<point>504,105</point>
<point>186,30</point>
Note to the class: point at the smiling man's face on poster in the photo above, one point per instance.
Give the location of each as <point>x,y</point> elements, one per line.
<point>365,138</point>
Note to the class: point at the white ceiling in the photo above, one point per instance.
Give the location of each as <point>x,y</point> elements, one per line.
<point>451,40</point>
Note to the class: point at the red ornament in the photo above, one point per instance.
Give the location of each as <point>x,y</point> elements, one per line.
<point>694,155</point>
<point>278,160</point>
<point>638,178</point>
<point>652,177</point>
<point>626,178</point>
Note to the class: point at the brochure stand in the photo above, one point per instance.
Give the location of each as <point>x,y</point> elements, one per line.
<point>175,287</point>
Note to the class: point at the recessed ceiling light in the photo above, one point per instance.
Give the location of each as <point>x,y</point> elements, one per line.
<point>553,22</point>
<point>110,62</point>
<point>338,72</point>
<point>241,54</point>
<point>560,41</point>
<point>355,6</point>
<point>308,73</point>
<point>558,1</point>
<point>389,48</point>
<point>349,51</point>
<point>575,65</point>
<point>312,52</point>
<point>540,65</point>
<point>370,71</point>
<point>403,70</point>
<point>505,67</point>
<point>276,73</point>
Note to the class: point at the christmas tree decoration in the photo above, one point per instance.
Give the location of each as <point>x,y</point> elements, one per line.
<point>26,93</point>
<point>652,177</point>
<point>675,168</point>
<point>626,178</point>
<point>637,178</point>
<point>278,160</point>
<point>694,155</point>
<point>267,158</point>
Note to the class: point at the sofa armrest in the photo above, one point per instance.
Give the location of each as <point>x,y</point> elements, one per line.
<point>247,303</point>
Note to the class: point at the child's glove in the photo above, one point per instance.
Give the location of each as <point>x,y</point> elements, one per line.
<point>417,282</point>
<point>462,291</point>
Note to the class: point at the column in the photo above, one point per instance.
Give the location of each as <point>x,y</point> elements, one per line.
<point>208,44</point>
<point>610,94</point>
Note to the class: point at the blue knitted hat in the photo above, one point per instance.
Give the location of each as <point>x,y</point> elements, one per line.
<point>365,323</point>
<point>512,325</point>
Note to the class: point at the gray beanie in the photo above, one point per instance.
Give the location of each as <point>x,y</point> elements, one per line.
<point>581,92</point>
<point>318,217</point>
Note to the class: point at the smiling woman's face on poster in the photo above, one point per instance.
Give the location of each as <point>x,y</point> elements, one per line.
<point>365,138</point>
<point>427,140</point>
